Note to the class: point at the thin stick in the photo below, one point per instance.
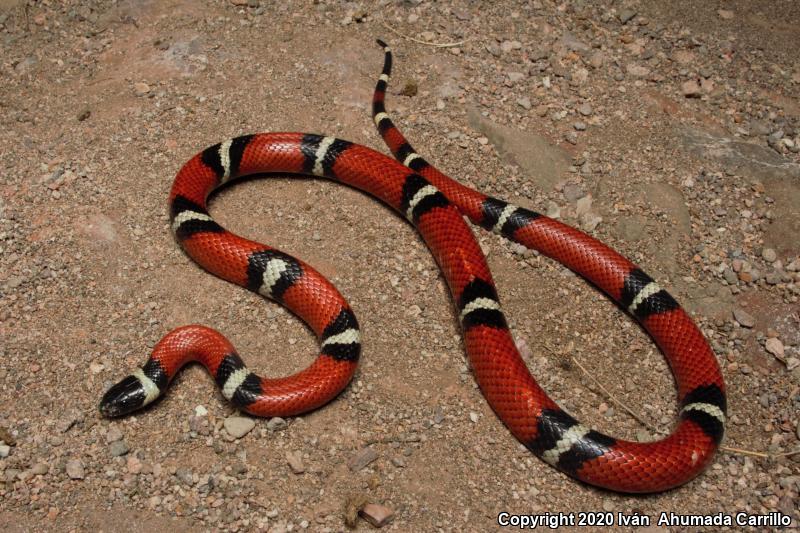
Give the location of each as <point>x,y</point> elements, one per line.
<point>614,398</point>
<point>745,452</point>
<point>728,449</point>
<point>27,21</point>
<point>437,45</point>
<point>785,454</point>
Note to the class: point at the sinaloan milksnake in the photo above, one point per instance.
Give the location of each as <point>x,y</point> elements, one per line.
<point>434,204</point>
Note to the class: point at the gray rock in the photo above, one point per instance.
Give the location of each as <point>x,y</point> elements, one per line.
<point>70,419</point>
<point>5,450</point>
<point>493,49</point>
<point>691,89</point>
<point>585,109</point>
<point>597,60</point>
<point>579,126</point>
<point>572,43</point>
<point>750,160</point>
<point>542,162</point>
<point>589,221</point>
<point>276,424</point>
<point>239,426</point>
<point>537,54</point>
<point>75,469</point>
<point>637,71</point>
<point>626,15</point>
<point>118,448</point>
<point>39,469</point>
<point>360,460</point>
<point>744,318</point>
<point>769,255</point>
<point>185,475</point>
<point>295,460</point>
<point>507,46</point>
<point>584,205</point>
<point>775,347</point>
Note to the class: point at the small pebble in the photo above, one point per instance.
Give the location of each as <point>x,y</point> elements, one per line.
<point>744,318</point>
<point>185,475</point>
<point>361,459</point>
<point>626,15</point>
<point>238,426</point>
<point>295,460</point>
<point>276,424</point>
<point>583,205</point>
<point>141,89</point>
<point>118,448</point>
<point>75,469</point>
<point>725,14</point>
<point>39,469</point>
<point>377,515</point>
<point>775,347</point>
<point>769,255</point>
<point>691,89</point>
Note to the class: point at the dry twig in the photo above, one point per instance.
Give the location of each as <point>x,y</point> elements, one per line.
<point>437,45</point>
<point>616,400</point>
<point>739,451</point>
<point>728,449</point>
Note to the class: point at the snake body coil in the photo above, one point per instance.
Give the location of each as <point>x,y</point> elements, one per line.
<point>434,204</point>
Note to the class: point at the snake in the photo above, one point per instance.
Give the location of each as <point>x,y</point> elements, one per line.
<point>436,206</point>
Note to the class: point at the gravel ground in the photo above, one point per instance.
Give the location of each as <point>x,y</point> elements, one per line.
<point>670,130</point>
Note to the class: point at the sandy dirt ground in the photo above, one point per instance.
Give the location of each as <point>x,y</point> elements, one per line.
<point>669,130</point>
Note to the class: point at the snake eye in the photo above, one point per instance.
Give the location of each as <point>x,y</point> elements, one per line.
<point>126,396</point>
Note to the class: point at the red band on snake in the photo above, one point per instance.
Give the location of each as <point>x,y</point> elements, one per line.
<point>434,204</point>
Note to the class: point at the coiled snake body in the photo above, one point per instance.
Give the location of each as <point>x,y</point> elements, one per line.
<point>434,204</point>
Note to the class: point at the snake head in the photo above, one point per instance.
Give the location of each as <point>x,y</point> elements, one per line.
<point>128,395</point>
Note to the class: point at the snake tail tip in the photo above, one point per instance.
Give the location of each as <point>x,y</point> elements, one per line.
<point>381,43</point>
